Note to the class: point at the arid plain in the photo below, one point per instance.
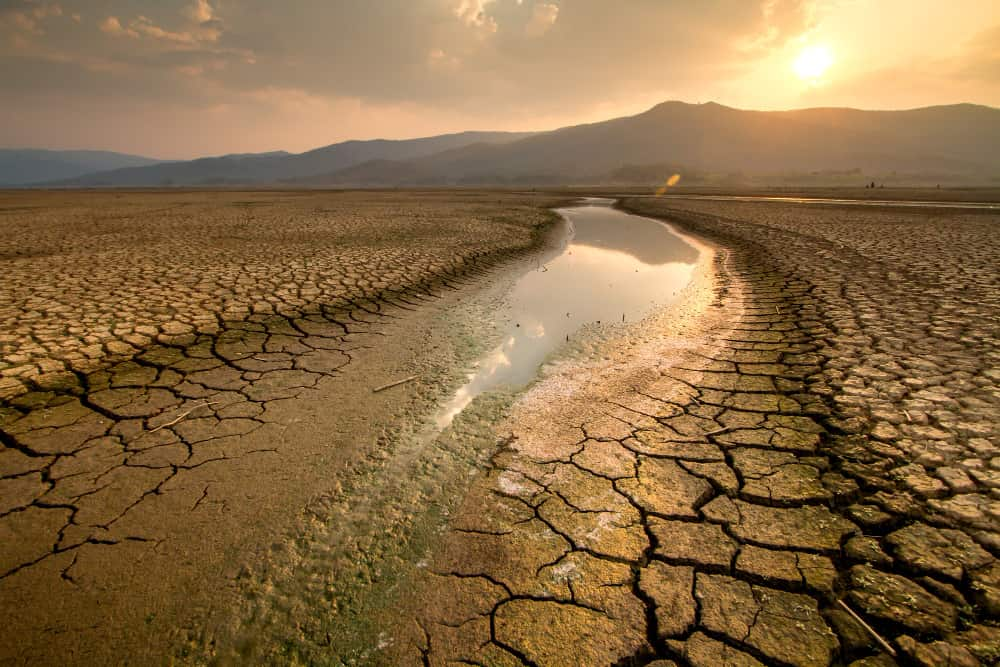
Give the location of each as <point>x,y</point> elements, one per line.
<point>797,463</point>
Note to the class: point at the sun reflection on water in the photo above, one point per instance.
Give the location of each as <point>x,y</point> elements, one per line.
<point>615,267</point>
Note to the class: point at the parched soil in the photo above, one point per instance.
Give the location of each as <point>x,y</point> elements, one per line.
<point>181,373</point>
<point>92,277</point>
<point>812,432</point>
<point>818,442</point>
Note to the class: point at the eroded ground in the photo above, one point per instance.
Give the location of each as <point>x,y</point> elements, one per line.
<point>180,378</point>
<point>824,433</point>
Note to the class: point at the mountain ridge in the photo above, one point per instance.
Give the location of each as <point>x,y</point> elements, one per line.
<point>708,141</point>
<point>25,166</point>
<point>271,169</point>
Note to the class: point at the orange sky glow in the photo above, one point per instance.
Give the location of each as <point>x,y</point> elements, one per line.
<point>186,78</point>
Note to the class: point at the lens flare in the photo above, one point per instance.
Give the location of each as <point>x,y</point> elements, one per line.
<point>669,183</point>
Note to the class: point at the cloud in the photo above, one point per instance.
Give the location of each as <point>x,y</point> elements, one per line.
<point>494,60</point>
<point>473,14</point>
<point>779,22</point>
<point>145,26</point>
<point>543,17</point>
<point>112,26</point>
<point>199,11</point>
<point>926,77</point>
<point>505,64</point>
<point>27,16</point>
<point>980,57</point>
<point>202,26</point>
<point>440,59</point>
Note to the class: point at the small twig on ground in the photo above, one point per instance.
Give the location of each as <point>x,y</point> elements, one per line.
<point>718,431</point>
<point>908,417</point>
<point>394,384</point>
<point>182,416</point>
<point>883,643</point>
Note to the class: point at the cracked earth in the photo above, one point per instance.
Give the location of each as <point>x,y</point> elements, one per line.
<point>815,424</point>
<point>156,352</point>
<point>819,437</point>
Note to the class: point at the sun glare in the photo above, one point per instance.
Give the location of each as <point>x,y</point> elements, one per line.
<point>813,62</point>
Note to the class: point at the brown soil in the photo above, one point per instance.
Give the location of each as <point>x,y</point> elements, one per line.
<point>815,423</point>
<point>823,432</point>
<point>187,384</point>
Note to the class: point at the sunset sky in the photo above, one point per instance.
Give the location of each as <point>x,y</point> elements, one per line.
<point>186,78</point>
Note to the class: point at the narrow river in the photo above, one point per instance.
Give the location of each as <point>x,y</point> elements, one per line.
<point>614,267</point>
<point>379,534</point>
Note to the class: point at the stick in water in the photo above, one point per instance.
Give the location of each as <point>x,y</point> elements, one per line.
<point>883,643</point>
<point>394,384</point>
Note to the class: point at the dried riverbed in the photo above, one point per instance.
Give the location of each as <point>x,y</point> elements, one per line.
<point>183,371</point>
<point>810,434</point>
<point>812,422</point>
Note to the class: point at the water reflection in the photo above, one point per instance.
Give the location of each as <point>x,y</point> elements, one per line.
<point>615,267</point>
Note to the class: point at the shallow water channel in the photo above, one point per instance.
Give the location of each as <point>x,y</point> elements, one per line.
<point>614,267</point>
<point>380,531</point>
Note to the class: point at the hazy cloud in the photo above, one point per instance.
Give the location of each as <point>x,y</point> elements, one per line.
<point>27,16</point>
<point>543,16</point>
<point>425,64</point>
<point>473,14</point>
<point>981,57</point>
<point>199,11</point>
<point>200,26</point>
<point>112,26</point>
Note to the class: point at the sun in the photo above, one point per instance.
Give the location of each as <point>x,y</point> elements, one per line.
<point>812,62</point>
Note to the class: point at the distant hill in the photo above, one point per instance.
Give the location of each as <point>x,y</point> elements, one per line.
<point>711,142</point>
<point>707,144</point>
<point>268,154</point>
<point>274,168</point>
<point>29,165</point>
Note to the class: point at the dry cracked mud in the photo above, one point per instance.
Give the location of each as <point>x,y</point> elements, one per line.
<point>819,436</point>
<point>815,423</point>
<point>179,375</point>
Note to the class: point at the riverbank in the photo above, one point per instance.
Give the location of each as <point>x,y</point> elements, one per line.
<point>160,468</point>
<point>899,308</point>
<point>820,448</point>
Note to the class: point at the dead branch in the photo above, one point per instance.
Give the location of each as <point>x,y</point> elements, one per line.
<point>182,416</point>
<point>883,643</point>
<point>394,384</point>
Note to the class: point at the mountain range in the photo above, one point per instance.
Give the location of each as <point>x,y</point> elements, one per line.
<point>274,168</point>
<point>29,165</point>
<point>704,143</point>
